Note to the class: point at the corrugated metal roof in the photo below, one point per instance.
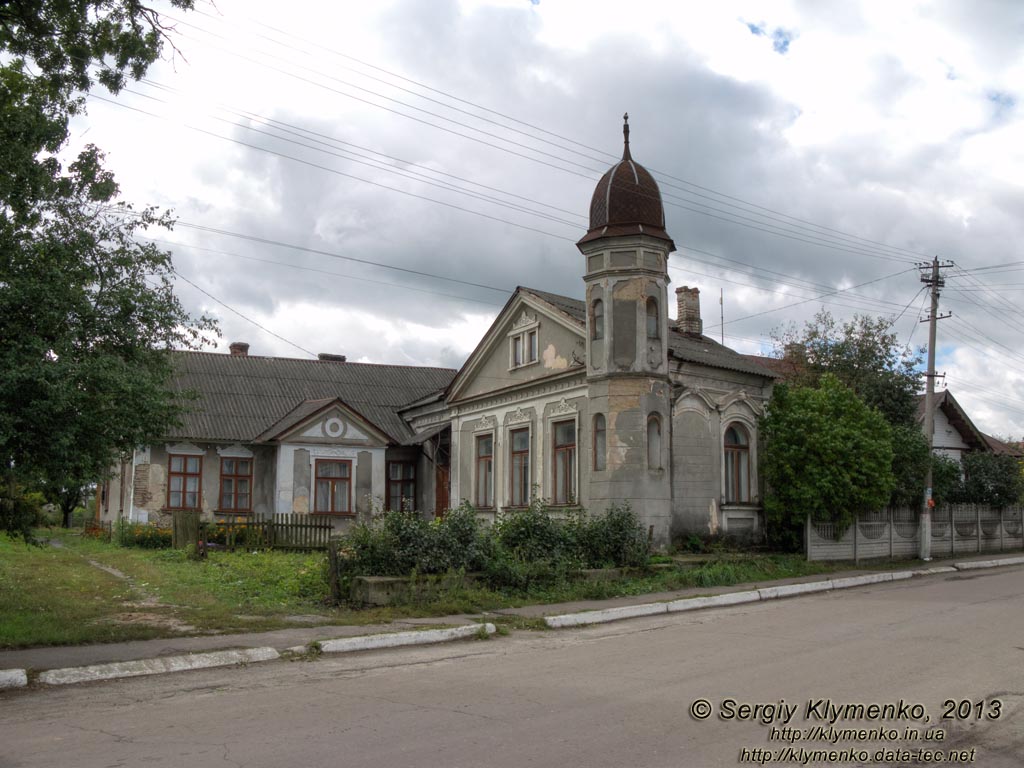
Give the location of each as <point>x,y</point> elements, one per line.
<point>242,396</point>
<point>707,351</point>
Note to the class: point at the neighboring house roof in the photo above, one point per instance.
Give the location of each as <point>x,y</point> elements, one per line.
<point>242,396</point>
<point>958,418</point>
<point>998,446</point>
<point>784,368</point>
<point>683,346</point>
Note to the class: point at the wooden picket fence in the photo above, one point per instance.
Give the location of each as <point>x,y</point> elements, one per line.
<point>280,531</point>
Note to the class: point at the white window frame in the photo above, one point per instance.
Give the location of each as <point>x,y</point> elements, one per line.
<point>522,334</point>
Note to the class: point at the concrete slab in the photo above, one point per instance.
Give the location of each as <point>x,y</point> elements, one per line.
<point>970,565</point>
<point>714,601</point>
<point>788,590</point>
<point>399,639</point>
<point>71,675</point>
<point>608,614</point>
<point>13,678</point>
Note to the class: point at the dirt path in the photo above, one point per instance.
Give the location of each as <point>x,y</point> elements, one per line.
<point>144,607</point>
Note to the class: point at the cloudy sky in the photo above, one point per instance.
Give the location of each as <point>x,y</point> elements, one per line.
<point>373,179</point>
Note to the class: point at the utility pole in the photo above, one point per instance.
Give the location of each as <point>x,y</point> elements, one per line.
<point>935,281</point>
<point>721,313</point>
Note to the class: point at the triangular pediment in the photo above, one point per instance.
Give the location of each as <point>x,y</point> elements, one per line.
<point>560,347</point>
<point>329,422</point>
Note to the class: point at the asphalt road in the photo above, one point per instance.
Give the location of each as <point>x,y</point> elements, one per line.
<point>615,695</point>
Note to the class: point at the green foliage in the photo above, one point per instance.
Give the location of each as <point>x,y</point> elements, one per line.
<point>142,535</point>
<point>910,457</point>
<point>18,516</point>
<point>400,542</point>
<point>864,354</point>
<point>615,538</point>
<point>827,455</point>
<point>993,479</point>
<point>947,481</point>
<point>87,313</point>
<point>526,549</point>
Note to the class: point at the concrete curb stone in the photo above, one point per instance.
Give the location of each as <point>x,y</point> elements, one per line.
<point>398,639</point>
<point>970,565</point>
<point>765,593</point>
<point>157,666</point>
<point>13,678</point>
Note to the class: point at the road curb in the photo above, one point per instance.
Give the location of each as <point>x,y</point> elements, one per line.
<point>13,678</point>
<point>157,666</point>
<point>970,565</point>
<point>398,639</point>
<point>604,615</point>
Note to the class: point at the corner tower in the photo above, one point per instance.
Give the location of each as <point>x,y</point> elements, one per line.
<point>626,254</point>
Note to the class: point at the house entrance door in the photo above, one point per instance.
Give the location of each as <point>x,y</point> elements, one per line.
<point>441,486</point>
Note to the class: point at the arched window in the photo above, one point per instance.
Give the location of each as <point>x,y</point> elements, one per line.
<point>653,441</point>
<point>600,442</point>
<point>653,320</point>
<point>597,326</point>
<point>737,464</point>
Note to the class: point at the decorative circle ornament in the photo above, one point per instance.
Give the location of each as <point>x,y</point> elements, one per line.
<point>334,427</point>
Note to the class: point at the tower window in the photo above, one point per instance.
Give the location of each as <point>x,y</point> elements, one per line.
<point>597,328</point>
<point>654,442</point>
<point>600,443</point>
<point>653,320</point>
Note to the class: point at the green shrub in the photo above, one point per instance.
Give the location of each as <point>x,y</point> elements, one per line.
<point>615,538</point>
<point>142,535</point>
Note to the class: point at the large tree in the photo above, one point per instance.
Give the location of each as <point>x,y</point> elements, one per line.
<point>827,456</point>
<point>865,354</point>
<point>87,312</point>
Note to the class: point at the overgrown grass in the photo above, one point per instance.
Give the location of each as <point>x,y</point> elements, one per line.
<point>51,596</point>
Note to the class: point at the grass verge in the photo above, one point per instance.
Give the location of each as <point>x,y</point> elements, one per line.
<point>54,596</point>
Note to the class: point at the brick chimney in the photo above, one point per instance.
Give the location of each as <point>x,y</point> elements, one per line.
<point>239,349</point>
<point>688,311</point>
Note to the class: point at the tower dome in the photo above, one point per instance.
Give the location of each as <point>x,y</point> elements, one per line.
<point>627,201</point>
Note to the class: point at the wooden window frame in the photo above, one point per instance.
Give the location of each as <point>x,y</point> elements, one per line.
<point>532,346</point>
<point>570,469</point>
<point>478,462</point>
<point>235,509</point>
<point>184,474</point>
<point>400,482</point>
<point>334,481</point>
<point>602,454</point>
<point>517,351</point>
<point>512,454</point>
<point>734,454</point>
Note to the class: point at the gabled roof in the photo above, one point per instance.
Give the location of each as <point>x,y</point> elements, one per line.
<point>568,312</point>
<point>683,346</point>
<point>242,396</point>
<point>958,417</point>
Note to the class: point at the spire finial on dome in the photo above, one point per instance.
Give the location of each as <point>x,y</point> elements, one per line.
<point>625,135</point>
